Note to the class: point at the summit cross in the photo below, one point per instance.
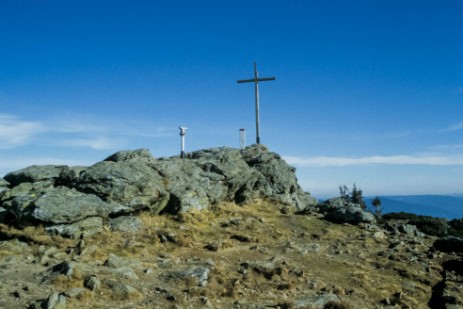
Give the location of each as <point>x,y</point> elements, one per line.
<point>256,81</point>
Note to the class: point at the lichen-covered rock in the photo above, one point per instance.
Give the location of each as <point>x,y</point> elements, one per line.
<point>84,228</point>
<point>226,174</point>
<point>198,272</point>
<point>125,155</point>
<point>130,181</point>
<point>119,290</point>
<point>341,210</point>
<point>64,205</point>
<point>35,173</point>
<point>126,224</point>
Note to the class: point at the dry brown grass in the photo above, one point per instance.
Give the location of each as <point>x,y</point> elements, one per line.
<point>346,263</point>
<point>33,234</point>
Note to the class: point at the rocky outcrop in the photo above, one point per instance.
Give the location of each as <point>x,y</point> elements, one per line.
<point>74,201</point>
<point>449,244</point>
<point>3,185</point>
<point>341,210</point>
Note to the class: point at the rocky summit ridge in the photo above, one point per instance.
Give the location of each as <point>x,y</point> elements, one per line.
<point>221,228</point>
<point>71,201</point>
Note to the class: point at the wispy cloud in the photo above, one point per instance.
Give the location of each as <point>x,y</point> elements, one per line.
<point>15,132</point>
<point>455,127</point>
<point>448,148</point>
<point>324,161</point>
<point>78,131</point>
<point>96,143</point>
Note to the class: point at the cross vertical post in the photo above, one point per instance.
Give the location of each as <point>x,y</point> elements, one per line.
<point>256,81</point>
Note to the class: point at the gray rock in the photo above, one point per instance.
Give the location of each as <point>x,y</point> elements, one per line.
<point>410,230</point>
<point>340,210</point>
<point>315,302</point>
<point>66,268</point>
<point>185,199</point>
<point>35,173</point>
<point>379,236</point>
<point>125,155</point>
<point>120,290</point>
<point>75,292</point>
<point>115,261</point>
<point>64,205</point>
<point>125,272</point>
<point>85,227</point>
<point>92,283</point>
<point>126,224</point>
<point>69,175</point>
<point>132,182</point>
<point>199,272</point>
<point>56,300</point>
<point>18,199</point>
<point>226,174</point>
<point>190,186</point>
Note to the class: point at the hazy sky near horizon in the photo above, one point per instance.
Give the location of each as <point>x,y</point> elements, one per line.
<point>366,92</point>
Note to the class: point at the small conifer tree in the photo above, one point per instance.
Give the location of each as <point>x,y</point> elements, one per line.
<point>378,210</point>
<point>354,195</point>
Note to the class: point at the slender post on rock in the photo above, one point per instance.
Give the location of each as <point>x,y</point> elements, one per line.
<point>182,137</point>
<point>242,138</point>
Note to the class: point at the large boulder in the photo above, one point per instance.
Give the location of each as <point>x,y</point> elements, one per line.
<point>126,178</point>
<point>243,175</point>
<point>189,185</point>
<point>59,205</point>
<point>341,210</point>
<point>64,205</point>
<point>34,173</point>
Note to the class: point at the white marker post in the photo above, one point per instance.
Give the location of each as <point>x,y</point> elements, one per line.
<point>242,138</point>
<point>182,137</point>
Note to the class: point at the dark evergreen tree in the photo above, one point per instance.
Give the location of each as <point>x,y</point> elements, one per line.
<point>344,192</point>
<point>354,195</point>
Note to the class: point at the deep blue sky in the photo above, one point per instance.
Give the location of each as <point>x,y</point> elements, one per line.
<point>367,92</point>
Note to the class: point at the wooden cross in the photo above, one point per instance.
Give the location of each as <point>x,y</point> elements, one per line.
<point>256,81</point>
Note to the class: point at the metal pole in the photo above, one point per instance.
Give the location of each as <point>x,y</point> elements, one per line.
<point>182,137</point>
<point>256,89</point>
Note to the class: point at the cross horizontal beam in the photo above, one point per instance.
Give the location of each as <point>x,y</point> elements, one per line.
<point>252,80</point>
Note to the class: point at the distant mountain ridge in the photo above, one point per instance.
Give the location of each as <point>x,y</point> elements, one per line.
<point>442,206</point>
